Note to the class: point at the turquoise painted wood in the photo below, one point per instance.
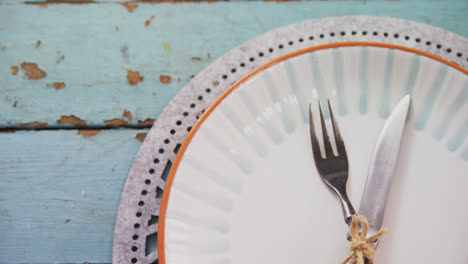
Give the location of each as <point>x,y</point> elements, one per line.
<point>90,47</point>
<point>60,192</point>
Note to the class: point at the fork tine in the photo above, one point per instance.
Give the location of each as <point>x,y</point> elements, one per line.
<point>326,138</point>
<point>313,136</point>
<point>340,147</point>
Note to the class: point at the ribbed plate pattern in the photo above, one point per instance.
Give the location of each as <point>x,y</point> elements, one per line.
<point>224,205</point>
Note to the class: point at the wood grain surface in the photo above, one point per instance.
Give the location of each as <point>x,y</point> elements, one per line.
<point>94,66</point>
<point>96,61</point>
<point>59,193</point>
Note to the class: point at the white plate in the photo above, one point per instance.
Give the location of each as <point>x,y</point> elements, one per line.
<point>244,188</point>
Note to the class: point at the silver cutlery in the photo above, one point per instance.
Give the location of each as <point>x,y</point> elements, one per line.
<point>382,168</point>
<point>333,169</point>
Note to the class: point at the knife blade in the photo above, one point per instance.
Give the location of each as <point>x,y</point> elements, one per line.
<point>382,168</point>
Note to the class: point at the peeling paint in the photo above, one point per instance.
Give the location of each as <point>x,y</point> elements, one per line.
<point>14,70</point>
<point>127,114</point>
<point>167,48</point>
<point>116,122</point>
<point>34,124</point>
<point>38,43</point>
<point>89,132</point>
<point>141,137</point>
<point>180,1</point>
<point>32,71</point>
<point>147,121</point>
<point>134,77</point>
<point>60,57</point>
<point>196,58</point>
<point>165,79</point>
<point>67,221</point>
<point>15,103</point>
<point>59,85</point>
<point>45,4</point>
<point>130,6</point>
<point>61,164</point>
<point>124,52</point>
<point>148,21</point>
<point>71,120</point>
<point>7,131</point>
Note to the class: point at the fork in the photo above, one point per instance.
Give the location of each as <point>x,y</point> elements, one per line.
<point>333,169</point>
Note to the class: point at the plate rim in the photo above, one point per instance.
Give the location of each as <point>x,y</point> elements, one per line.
<point>228,91</point>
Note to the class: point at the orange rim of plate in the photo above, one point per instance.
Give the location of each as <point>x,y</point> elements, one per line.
<point>193,131</point>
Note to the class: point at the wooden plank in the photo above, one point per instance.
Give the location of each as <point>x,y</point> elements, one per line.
<point>91,47</point>
<point>60,192</point>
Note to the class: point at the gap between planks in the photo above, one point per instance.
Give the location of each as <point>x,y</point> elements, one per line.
<point>91,127</point>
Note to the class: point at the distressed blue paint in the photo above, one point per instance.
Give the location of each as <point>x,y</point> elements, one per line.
<point>94,68</point>
<point>40,188</point>
<point>48,177</point>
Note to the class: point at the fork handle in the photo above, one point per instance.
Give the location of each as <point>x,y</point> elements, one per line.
<point>347,207</point>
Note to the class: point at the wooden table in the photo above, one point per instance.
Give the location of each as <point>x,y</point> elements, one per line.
<point>82,84</point>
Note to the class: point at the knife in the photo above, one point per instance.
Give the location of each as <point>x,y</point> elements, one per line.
<point>382,168</point>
